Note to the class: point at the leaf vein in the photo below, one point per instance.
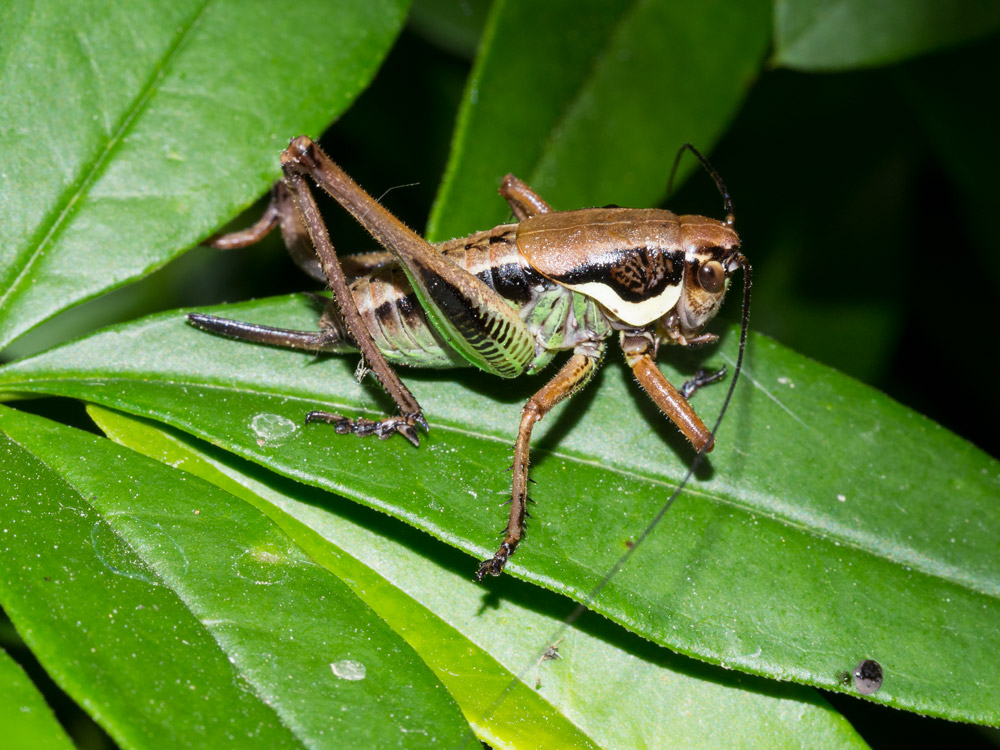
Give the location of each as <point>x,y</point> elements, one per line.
<point>66,206</point>
<point>61,477</point>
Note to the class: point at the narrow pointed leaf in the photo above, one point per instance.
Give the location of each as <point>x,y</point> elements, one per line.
<point>423,591</point>
<point>830,525</point>
<point>175,613</point>
<point>827,35</point>
<point>590,107</point>
<point>133,130</point>
<point>26,718</point>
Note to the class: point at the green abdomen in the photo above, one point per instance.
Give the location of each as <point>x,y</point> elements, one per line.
<point>556,317</point>
<point>397,323</point>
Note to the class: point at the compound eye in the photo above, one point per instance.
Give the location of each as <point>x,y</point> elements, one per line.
<point>712,276</point>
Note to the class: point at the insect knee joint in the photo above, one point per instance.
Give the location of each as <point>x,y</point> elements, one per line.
<point>300,156</point>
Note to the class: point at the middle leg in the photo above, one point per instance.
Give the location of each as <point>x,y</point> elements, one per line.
<point>573,376</point>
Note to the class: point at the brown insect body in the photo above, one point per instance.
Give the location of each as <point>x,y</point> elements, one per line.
<point>624,259</point>
<point>638,263</point>
<point>505,300</point>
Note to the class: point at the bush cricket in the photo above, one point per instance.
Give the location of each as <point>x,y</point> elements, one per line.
<point>506,300</point>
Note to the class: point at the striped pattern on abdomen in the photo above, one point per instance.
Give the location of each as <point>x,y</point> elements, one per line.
<point>398,323</point>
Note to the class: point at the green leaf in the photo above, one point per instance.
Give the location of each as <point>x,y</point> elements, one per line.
<point>454,25</point>
<point>178,614</point>
<point>831,524</point>
<point>26,718</point>
<point>590,107</point>
<point>828,35</point>
<point>133,130</point>
<point>471,675</point>
<point>670,697</point>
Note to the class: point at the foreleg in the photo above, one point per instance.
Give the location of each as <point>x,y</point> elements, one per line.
<point>638,348</point>
<point>702,378</point>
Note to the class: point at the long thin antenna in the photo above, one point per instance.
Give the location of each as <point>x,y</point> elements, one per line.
<point>723,190</point>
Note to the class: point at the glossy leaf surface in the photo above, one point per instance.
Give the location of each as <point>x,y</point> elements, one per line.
<point>596,118</point>
<point>471,636</point>
<point>827,35</point>
<point>178,614</point>
<point>133,130</point>
<point>831,524</point>
<point>472,676</point>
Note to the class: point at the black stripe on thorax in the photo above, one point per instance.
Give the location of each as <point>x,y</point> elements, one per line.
<point>503,270</point>
<point>634,274</point>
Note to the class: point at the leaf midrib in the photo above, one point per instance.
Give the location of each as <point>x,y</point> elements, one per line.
<point>831,533</point>
<point>59,476</point>
<point>66,205</point>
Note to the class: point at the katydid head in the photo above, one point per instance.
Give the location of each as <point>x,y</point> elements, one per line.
<point>711,255</point>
